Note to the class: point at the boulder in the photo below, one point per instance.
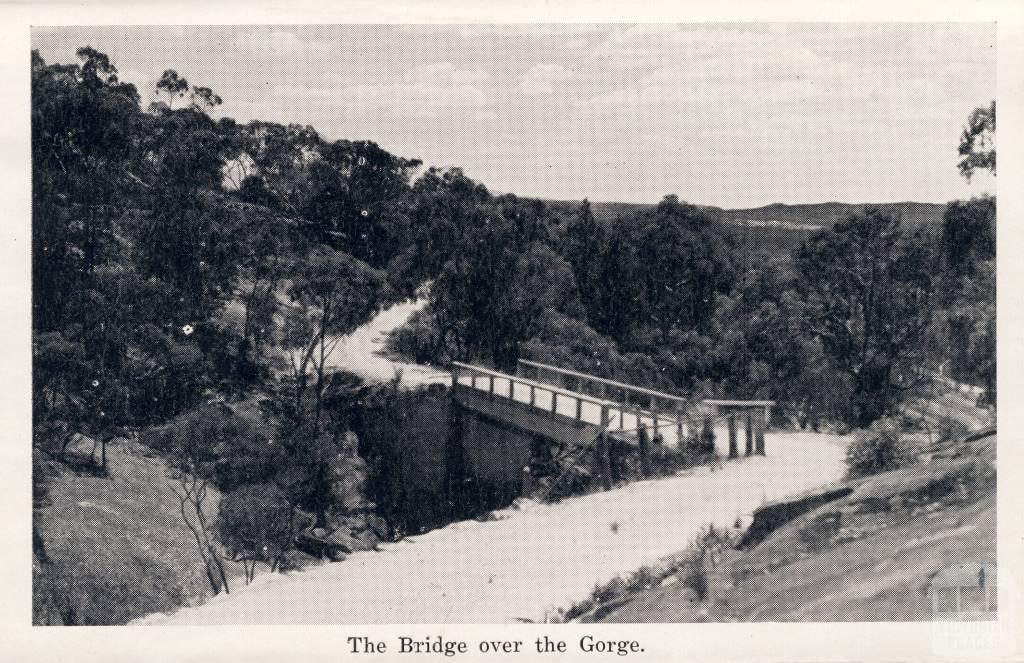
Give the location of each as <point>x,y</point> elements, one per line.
<point>378,526</point>
<point>349,542</point>
<point>343,541</point>
<point>368,539</point>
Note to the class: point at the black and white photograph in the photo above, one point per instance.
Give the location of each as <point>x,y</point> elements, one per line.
<point>513,324</point>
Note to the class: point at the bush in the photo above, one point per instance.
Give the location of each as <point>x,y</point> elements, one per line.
<point>699,446</point>
<point>561,340</point>
<point>695,578</point>
<point>418,340</point>
<point>257,523</point>
<point>952,429</point>
<point>878,449</point>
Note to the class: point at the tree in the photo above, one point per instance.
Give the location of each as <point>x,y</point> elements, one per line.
<point>258,524</point>
<point>356,202</point>
<point>683,267</point>
<point>583,245</point>
<point>617,303</point>
<point>661,271</point>
<point>978,142</point>
<point>203,98</point>
<point>867,291</point>
<point>759,351</point>
<point>969,233</point>
<point>84,125</point>
<point>540,281</point>
<point>965,335</point>
<point>183,240</point>
<point>191,444</point>
<point>172,85</point>
<point>260,242</point>
<point>277,158</point>
<point>332,293</point>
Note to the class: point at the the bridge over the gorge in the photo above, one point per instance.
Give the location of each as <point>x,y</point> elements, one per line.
<point>592,413</point>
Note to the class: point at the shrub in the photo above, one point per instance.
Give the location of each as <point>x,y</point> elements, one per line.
<point>258,523</point>
<point>817,533</point>
<point>878,449</point>
<point>695,578</point>
<point>418,340</point>
<point>952,429</point>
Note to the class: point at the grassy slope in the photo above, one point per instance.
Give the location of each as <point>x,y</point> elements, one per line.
<point>117,545</point>
<point>865,557</point>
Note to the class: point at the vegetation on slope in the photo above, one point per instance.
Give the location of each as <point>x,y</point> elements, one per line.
<point>868,556</point>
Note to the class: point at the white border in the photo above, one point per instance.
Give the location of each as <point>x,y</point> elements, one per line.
<point>842,641</point>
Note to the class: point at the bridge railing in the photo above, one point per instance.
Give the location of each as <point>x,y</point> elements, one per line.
<point>621,416</point>
<point>656,409</point>
<point>532,392</point>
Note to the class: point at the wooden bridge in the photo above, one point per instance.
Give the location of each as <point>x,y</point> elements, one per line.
<point>584,410</point>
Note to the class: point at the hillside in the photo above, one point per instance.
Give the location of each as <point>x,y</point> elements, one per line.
<point>103,534</point>
<point>867,556</point>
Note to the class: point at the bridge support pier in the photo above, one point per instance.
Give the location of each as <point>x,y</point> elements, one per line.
<point>759,425</point>
<point>707,435</point>
<point>455,458</point>
<point>733,450</point>
<point>644,442</point>
<point>749,450</point>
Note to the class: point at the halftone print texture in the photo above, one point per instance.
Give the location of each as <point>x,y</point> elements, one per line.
<point>352,324</point>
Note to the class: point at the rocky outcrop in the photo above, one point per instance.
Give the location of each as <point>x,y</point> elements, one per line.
<point>772,516</point>
<point>336,544</point>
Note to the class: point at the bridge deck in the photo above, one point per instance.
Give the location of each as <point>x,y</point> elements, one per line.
<point>623,420</point>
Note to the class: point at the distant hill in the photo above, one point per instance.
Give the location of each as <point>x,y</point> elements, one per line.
<point>825,215</point>
<point>776,227</point>
<point>794,217</point>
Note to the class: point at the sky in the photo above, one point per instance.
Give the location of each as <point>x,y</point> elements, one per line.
<point>735,115</point>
